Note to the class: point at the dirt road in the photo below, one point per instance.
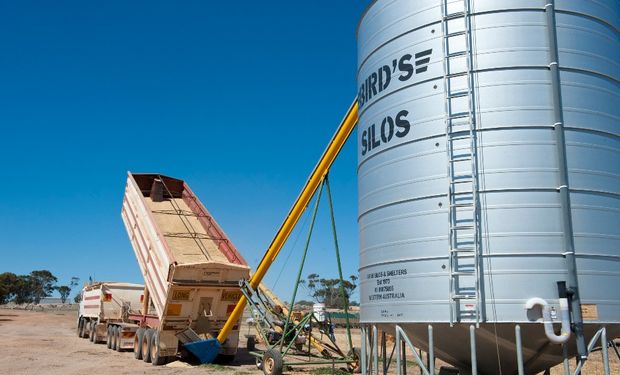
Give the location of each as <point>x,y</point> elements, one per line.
<point>40,343</point>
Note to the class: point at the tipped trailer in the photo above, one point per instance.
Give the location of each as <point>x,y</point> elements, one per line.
<point>191,270</point>
<point>104,311</point>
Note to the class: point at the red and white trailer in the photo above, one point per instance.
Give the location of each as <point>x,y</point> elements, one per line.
<point>104,312</point>
<point>191,269</point>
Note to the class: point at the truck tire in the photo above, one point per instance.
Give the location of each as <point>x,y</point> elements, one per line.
<point>146,345</point>
<point>113,336</point>
<point>79,326</point>
<point>92,332</point>
<point>137,343</point>
<point>156,358</point>
<point>108,337</point>
<point>272,362</point>
<point>117,338</point>
<point>83,330</point>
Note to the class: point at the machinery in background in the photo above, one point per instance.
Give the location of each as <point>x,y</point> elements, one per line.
<point>103,314</point>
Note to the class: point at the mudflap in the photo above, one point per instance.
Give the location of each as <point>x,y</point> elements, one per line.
<point>205,350</point>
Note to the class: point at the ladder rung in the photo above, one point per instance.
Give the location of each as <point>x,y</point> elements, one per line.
<point>456,160</point>
<point>462,227</point>
<point>465,254</point>
<point>461,137</point>
<point>464,273</point>
<point>468,315</point>
<point>459,133</point>
<point>459,177</point>
<point>457,205</point>
<point>458,94</point>
<point>458,115</point>
<point>454,75</point>
<point>463,250</point>
<point>457,54</point>
<point>454,15</point>
<point>462,193</point>
<point>458,129</point>
<point>456,33</point>
<point>461,182</point>
<point>463,296</point>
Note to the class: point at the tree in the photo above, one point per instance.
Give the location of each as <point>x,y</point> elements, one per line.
<point>74,281</point>
<point>42,284</point>
<point>304,302</point>
<point>328,291</point>
<point>28,288</point>
<point>22,290</point>
<point>7,286</point>
<point>64,292</point>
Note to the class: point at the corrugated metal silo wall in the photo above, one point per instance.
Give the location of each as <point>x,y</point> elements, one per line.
<point>402,168</point>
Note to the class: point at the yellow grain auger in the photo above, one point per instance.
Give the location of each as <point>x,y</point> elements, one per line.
<point>210,348</point>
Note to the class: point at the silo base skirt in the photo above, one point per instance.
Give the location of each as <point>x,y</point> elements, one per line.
<point>496,349</point>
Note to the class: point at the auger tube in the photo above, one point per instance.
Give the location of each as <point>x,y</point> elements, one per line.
<point>316,177</point>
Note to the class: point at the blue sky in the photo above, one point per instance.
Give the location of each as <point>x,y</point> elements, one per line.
<point>237,98</point>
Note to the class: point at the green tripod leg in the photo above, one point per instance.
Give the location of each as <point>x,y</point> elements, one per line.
<point>345,298</point>
<point>301,267</point>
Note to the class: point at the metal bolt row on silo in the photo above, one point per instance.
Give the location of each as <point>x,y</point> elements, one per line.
<point>464,227</point>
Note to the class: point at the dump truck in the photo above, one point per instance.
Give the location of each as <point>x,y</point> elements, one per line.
<point>103,314</point>
<point>191,270</point>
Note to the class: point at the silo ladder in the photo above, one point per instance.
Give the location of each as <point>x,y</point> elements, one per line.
<point>463,205</point>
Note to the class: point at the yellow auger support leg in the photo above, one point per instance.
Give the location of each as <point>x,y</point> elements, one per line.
<point>316,177</point>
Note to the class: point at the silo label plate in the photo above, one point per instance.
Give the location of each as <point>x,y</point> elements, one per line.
<point>383,286</point>
<point>589,312</point>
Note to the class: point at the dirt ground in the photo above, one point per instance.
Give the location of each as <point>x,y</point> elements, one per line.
<point>40,343</point>
<point>45,342</point>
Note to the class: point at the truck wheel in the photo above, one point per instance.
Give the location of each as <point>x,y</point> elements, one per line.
<point>113,337</point>
<point>272,362</point>
<point>156,358</point>
<point>83,330</point>
<point>79,326</point>
<point>137,343</point>
<point>117,338</point>
<point>108,337</point>
<point>92,332</point>
<point>146,345</point>
<point>251,344</point>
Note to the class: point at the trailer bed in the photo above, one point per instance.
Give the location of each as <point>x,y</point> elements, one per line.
<point>188,240</point>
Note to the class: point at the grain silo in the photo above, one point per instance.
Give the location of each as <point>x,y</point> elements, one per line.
<point>489,175</point>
